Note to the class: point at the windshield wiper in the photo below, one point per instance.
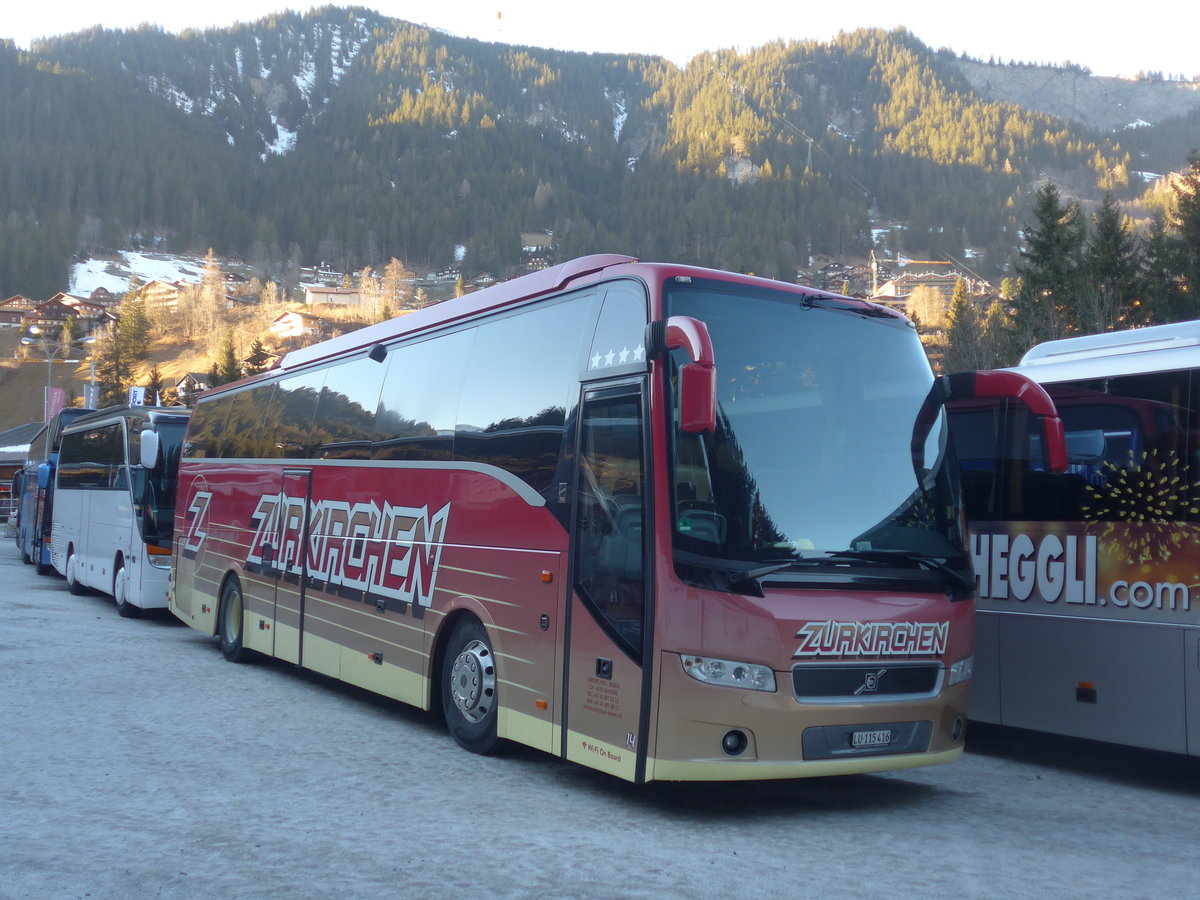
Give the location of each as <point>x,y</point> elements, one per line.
<point>935,563</point>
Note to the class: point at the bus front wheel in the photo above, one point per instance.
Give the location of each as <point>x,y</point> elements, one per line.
<point>72,574</point>
<point>469,687</point>
<point>121,593</point>
<point>229,622</point>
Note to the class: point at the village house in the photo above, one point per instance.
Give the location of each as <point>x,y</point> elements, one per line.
<point>104,296</point>
<point>191,384</point>
<point>158,294</point>
<point>50,315</point>
<point>294,325</point>
<point>14,310</point>
<point>316,295</point>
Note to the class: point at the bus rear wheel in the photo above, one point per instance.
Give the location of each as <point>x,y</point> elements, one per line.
<point>468,685</point>
<point>72,574</point>
<point>230,621</point>
<point>121,593</point>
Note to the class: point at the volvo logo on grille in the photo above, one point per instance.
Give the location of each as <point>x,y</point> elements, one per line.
<point>871,683</point>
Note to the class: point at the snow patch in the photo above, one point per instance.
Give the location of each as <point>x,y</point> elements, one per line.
<point>617,100</point>
<point>114,274</point>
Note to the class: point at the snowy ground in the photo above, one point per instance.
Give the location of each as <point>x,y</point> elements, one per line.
<point>135,762</point>
<point>114,274</point>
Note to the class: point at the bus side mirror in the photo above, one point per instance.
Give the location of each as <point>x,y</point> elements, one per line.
<point>697,379</point>
<point>999,384</point>
<point>149,449</point>
<point>43,476</point>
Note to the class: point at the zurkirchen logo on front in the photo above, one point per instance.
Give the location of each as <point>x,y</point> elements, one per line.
<point>877,639</point>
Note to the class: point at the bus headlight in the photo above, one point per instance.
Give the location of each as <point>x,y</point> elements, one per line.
<point>962,670</point>
<point>730,674</point>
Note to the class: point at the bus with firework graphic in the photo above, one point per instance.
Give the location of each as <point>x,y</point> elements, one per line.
<point>1089,611</point>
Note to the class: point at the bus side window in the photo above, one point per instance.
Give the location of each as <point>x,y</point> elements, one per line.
<point>347,409</point>
<point>418,404</point>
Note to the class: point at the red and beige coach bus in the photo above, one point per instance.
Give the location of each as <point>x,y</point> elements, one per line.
<point>1089,616</point>
<point>666,522</point>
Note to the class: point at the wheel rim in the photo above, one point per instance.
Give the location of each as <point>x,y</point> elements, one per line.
<point>71,579</point>
<point>473,681</point>
<point>119,590</point>
<point>232,624</point>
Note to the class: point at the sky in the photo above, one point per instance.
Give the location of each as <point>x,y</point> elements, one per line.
<point>1155,35</point>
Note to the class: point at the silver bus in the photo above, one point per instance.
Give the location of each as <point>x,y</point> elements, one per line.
<point>1088,611</point>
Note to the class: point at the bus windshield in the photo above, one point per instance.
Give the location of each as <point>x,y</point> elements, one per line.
<point>811,464</point>
<point>153,490</point>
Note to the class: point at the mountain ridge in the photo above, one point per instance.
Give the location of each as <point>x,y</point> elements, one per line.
<point>348,136</point>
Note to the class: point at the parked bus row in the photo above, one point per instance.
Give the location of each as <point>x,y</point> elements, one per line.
<point>667,522</point>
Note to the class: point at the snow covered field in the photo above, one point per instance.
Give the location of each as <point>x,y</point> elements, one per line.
<point>136,762</point>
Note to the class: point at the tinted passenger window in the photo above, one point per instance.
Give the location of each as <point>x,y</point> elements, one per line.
<point>524,371</point>
<point>207,427</point>
<point>346,409</point>
<point>417,408</point>
<point>288,427</point>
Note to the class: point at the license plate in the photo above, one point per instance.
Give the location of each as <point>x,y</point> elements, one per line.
<point>861,740</point>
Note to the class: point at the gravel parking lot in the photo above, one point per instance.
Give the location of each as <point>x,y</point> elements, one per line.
<point>136,762</point>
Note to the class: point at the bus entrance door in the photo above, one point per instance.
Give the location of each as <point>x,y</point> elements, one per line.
<point>608,628</point>
<point>284,574</point>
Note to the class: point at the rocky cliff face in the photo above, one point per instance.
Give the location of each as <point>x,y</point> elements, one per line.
<point>1105,104</point>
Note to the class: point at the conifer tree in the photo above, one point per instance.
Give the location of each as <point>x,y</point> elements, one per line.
<point>258,358</point>
<point>113,372</point>
<point>964,333</point>
<point>1187,223</point>
<point>1049,270</point>
<point>1109,279</point>
<point>999,344</point>
<point>229,367</point>
<point>154,387</point>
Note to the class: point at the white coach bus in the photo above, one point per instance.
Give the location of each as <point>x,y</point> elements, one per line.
<point>115,504</point>
<point>1089,581</point>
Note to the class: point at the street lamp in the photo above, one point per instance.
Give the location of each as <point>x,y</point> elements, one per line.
<point>52,350</point>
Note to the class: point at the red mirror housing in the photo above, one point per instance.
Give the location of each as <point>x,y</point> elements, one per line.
<point>1004,385</point>
<point>697,379</point>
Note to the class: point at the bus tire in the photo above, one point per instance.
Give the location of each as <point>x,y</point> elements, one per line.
<point>72,576</point>
<point>468,687</point>
<point>121,594</point>
<point>231,621</point>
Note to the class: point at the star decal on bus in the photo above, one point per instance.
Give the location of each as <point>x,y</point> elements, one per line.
<point>621,357</point>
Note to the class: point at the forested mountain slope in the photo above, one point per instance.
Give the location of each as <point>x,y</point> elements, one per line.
<point>345,136</point>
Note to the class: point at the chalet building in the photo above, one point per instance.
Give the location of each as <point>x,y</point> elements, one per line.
<point>158,294</point>
<point>51,314</point>
<point>315,295</point>
<point>104,297</point>
<point>84,309</point>
<point>296,325</point>
<point>191,384</point>
<point>68,299</point>
<point>14,310</point>
<point>899,289</point>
